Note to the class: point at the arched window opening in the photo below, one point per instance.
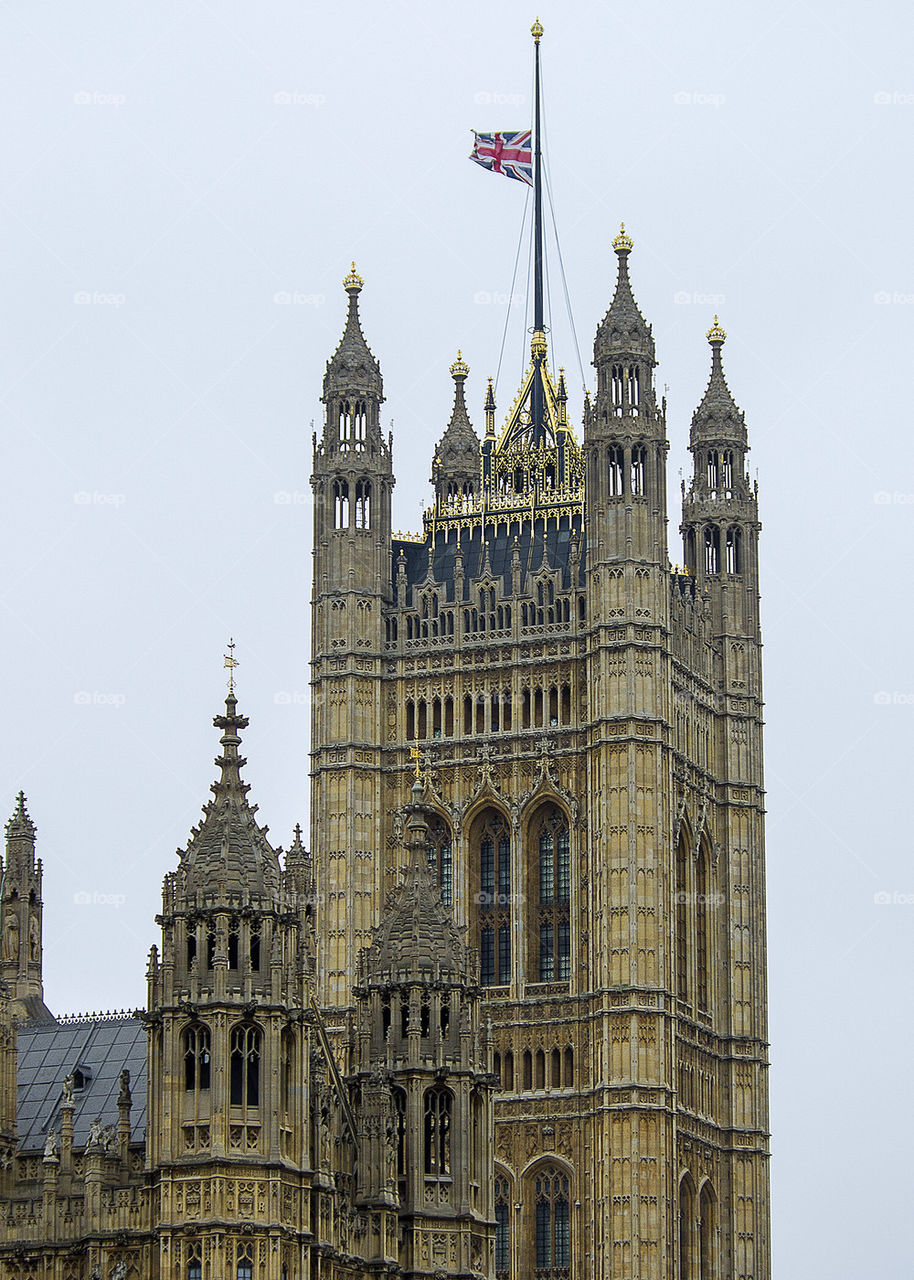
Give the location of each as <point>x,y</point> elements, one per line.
<point>553,1229</point>
<point>385,1018</point>
<point>191,946</point>
<point>682,917</point>
<point>553,707</point>
<point>616,471</point>
<point>540,1063</point>
<point>340,504</point>
<point>345,424</point>
<point>360,426</point>
<point>734,549</point>
<point>528,1069</point>
<point>690,551</point>
<point>196,1057</point>
<point>436,718</point>
<point>399,1100</point>
<point>713,469</point>
<point>425,1021</point>
<point>210,944</point>
<point>686,1214</point>
<point>566,702</point>
<point>286,1066</point>
<point>245,1066</point>
<point>538,708</point>
<point>506,708</point>
<point>634,386</point>
<point>480,713</point>
<point>525,709</point>
<point>618,389</point>
<point>712,549</point>
<point>437,1133</point>
<point>254,935</point>
<point>639,460</point>
<point>556,1069</point>
<point>551,895</point>
<point>441,858</point>
<point>195,1267</point>
<point>467,714</point>
<point>706,1233</point>
<point>363,504</point>
<point>233,944</point>
<point>726,469</point>
<point>422,725</point>
<point>449,709</point>
<point>494,900</point>
<point>245,1262</point>
<point>502,1229</point>
<point>568,1078</point>
<point>495,712</point>
<point>508,1076</point>
<point>410,720</point>
<point>703,906</point>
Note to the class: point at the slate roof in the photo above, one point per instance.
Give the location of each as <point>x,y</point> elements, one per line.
<point>102,1048</point>
<point>500,546</point>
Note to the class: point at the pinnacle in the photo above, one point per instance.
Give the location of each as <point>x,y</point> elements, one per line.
<point>352,367</point>
<point>228,852</point>
<point>718,413</point>
<point>20,824</point>
<point>623,330</point>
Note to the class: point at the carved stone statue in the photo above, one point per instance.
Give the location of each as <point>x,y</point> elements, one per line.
<point>68,1091</point>
<point>124,1098</point>
<point>11,937</point>
<point>95,1132</point>
<point>34,940</point>
<point>50,1145</point>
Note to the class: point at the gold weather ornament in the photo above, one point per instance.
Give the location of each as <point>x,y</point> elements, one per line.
<point>231,662</point>
<point>416,756</point>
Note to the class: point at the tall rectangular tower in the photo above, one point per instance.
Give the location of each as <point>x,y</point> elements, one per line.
<point>588,724</point>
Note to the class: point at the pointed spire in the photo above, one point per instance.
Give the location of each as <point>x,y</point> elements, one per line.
<point>623,330</point>
<point>352,367</point>
<point>417,937</point>
<point>20,825</point>
<point>457,455</point>
<point>718,416</point>
<point>228,852</point>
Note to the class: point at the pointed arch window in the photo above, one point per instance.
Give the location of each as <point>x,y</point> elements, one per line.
<point>734,550</point>
<point>639,463</point>
<point>194,1267</point>
<point>244,1269</point>
<point>713,472</point>
<point>552,1242</point>
<point>493,899</point>
<point>345,424</point>
<point>196,1057</point>
<point>682,917</point>
<point>441,858</point>
<point>551,894</point>
<point>438,1133</point>
<point>340,504</point>
<point>686,1215</point>
<point>360,425</point>
<point>502,1228</point>
<point>617,381</point>
<point>634,387</point>
<point>363,504</point>
<point>399,1101</point>
<point>706,1233</point>
<point>726,469</point>
<point>245,1066</point>
<point>712,549</point>
<point>704,903</point>
<point>616,471</point>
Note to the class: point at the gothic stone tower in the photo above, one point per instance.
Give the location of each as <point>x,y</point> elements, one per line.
<point>589,720</point>
<point>20,919</point>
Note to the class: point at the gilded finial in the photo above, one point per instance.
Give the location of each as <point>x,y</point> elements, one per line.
<point>623,241</point>
<point>460,368</point>
<point>416,755</point>
<point>537,31</point>
<point>716,335</point>
<point>230,661</point>
<point>353,282</point>
<point>538,347</point>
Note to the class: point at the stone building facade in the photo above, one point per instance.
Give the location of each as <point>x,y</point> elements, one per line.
<point>588,720</point>
<point>508,1017</point>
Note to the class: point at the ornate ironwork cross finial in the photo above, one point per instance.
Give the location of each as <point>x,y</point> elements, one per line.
<point>416,755</point>
<point>229,660</point>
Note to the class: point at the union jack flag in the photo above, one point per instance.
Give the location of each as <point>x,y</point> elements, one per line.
<point>507,153</point>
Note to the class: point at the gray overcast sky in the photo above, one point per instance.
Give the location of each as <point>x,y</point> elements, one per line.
<point>183,185</point>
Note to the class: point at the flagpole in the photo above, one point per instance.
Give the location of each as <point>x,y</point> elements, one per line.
<point>538,345</point>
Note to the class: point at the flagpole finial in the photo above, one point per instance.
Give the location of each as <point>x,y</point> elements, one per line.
<point>353,282</point>
<point>537,31</point>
